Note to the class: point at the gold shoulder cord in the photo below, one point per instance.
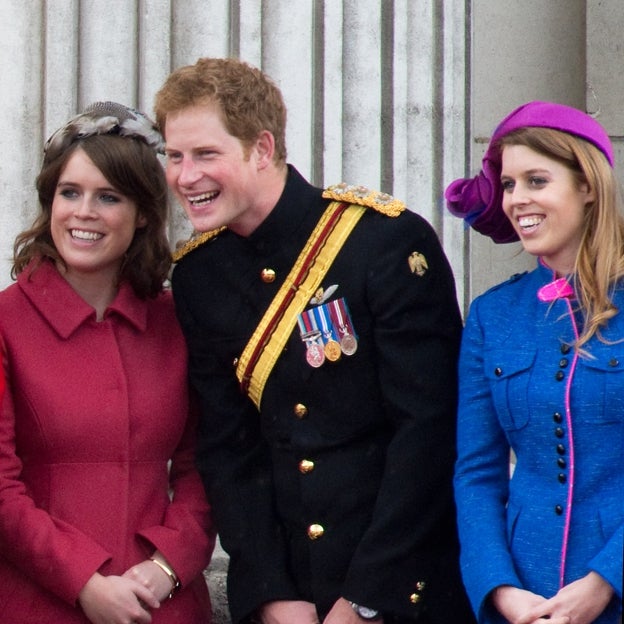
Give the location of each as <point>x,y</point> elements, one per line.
<point>270,337</point>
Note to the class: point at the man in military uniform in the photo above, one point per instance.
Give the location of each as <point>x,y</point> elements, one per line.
<point>323,332</point>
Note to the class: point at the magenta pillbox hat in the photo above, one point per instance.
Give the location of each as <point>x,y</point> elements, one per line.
<point>478,200</point>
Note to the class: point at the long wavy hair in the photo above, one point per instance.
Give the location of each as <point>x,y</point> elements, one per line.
<point>599,263</point>
<point>133,169</point>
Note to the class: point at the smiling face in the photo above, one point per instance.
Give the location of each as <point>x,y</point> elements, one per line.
<point>214,176</point>
<point>92,224</point>
<point>545,204</point>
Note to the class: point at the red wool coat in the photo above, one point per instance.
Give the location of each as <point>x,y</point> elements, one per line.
<point>1,378</point>
<point>92,414</point>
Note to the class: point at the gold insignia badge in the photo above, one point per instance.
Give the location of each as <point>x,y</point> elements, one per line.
<point>322,295</point>
<point>417,263</point>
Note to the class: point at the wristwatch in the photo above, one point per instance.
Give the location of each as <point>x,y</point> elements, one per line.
<point>365,613</point>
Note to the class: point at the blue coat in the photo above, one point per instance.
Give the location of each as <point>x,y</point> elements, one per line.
<point>517,377</point>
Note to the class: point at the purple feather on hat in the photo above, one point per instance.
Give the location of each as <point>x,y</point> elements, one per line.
<point>478,200</point>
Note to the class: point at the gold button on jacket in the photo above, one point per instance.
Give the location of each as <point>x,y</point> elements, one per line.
<point>315,531</point>
<point>267,275</point>
<point>301,411</point>
<point>305,466</point>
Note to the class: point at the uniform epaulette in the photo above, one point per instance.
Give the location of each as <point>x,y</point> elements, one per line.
<point>516,276</point>
<point>382,202</point>
<point>197,239</point>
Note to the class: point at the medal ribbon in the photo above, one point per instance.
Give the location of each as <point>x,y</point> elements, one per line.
<point>324,322</point>
<point>270,336</point>
<point>306,323</point>
<point>341,317</point>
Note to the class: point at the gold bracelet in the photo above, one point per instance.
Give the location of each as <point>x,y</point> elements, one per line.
<point>170,573</point>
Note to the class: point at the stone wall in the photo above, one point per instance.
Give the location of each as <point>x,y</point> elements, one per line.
<point>374,90</point>
<point>216,577</point>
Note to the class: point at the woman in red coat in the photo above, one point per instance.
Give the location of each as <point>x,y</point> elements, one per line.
<point>103,518</point>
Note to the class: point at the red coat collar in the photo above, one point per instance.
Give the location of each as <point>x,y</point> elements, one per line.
<point>64,309</point>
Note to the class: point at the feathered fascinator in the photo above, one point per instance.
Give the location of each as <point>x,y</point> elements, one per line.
<point>478,200</point>
<point>105,118</point>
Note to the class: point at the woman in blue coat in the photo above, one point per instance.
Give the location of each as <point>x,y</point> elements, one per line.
<point>542,375</point>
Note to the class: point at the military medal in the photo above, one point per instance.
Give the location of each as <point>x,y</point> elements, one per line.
<point>332,348</point>
<point>348,344</point>
<point>342,319</point>
<point>311,336</point>
<point>315,355</point>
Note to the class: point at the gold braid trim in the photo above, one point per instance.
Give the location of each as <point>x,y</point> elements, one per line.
<point>194,242</point>
<point>362,196</point>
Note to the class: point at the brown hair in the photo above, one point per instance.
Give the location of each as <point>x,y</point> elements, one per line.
<point>600,258</point>
<point>249,102</point>
<point>133,169</point>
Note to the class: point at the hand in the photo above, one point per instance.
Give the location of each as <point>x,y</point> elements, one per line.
<point>343,613</point>
<point>581,602</point>
<point>519,606</point>
<point>150,575</point>
<point>116,600</point>
<point>288,612</point>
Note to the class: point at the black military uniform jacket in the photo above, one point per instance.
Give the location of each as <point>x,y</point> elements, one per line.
<point>376,430</point>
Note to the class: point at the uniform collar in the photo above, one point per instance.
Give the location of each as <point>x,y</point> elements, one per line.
<point>292,208</point>
<point>553,287</point>
<point>64,309</point>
